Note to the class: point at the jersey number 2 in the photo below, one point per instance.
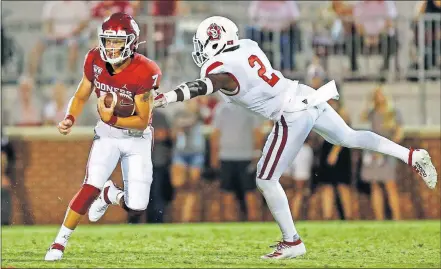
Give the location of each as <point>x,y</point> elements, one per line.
<point>262,70</point>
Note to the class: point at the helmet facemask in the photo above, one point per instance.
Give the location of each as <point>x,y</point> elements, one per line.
<point>199,57</point>
<point>115,49</point>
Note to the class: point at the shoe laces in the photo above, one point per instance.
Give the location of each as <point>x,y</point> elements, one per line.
<point>279,246</point>
<point>417,168</point>
<point>102,208</point>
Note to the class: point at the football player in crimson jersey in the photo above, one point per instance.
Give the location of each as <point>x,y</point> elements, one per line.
<point>113,67</point>
<point>240,70</point>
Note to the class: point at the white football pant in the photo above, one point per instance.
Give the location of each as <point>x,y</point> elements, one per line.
<point>136,165</point>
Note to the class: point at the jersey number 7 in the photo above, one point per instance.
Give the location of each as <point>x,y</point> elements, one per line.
<point>262,70</point>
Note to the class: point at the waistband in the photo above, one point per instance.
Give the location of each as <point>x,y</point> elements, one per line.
<point>307,97</point>
<point>105,130</point>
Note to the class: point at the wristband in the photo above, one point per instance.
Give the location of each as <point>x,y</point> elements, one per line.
<point>71,118</point>
<point>112,120</point>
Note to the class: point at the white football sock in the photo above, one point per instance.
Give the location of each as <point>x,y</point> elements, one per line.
<point>63,235</point>
<point>278,205</point>
<point>372,141</point>
<point>335,130</point>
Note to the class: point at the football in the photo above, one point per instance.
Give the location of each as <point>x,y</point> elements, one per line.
<point>124,107</point>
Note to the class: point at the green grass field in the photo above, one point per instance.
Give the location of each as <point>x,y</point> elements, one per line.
<point>221,245</point>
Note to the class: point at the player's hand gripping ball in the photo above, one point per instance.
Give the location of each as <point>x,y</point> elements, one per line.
<point>124,104</point>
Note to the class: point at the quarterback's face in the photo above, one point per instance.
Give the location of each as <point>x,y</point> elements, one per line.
<point>114,47</point>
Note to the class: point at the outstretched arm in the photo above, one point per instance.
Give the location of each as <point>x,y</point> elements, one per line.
<point>204,86</point>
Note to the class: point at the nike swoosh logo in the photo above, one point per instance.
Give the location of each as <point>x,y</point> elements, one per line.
<point>125,104</point>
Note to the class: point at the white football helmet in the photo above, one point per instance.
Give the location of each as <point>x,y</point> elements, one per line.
<point>214,35</point>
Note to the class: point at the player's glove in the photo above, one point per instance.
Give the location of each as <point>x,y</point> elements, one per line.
<point>155,92</point>
<point>160,100</point>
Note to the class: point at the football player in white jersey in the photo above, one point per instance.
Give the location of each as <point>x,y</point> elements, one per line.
<point>242,73</point>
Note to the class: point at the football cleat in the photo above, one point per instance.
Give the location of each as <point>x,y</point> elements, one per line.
<point>286,250</point>
<point>55,252</point>
<point>420,161</point>
<point>100,205</point>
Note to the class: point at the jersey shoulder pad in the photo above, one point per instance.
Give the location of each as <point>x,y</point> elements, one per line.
<point>220,64</point>
<point>147,64</point>
<point>92,56</point>
<point>148,72</point>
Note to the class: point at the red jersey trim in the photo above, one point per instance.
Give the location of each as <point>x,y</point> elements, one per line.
<point>212,66</point>
<point>216,65</point>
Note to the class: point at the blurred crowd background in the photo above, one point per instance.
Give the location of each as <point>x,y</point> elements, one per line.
<point>384,55</point>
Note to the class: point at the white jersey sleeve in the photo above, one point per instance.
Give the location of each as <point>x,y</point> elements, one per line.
<point>229,66</point>
<point>219,65</point>
<point>261,88</point>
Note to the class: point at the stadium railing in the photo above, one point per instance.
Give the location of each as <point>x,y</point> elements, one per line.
<point>168,37</point>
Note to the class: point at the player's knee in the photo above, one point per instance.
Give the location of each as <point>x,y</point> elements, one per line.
<point>266,185</point>
<point>95,177</point>
<point>84,198</point>
<point>133,211</point>
<point>94,183</point>
<point>136,205</point>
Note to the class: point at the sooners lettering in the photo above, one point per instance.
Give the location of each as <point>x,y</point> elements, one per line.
<point>107,88</point>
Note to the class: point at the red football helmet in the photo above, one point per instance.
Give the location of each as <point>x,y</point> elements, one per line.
<point>118,37</point>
